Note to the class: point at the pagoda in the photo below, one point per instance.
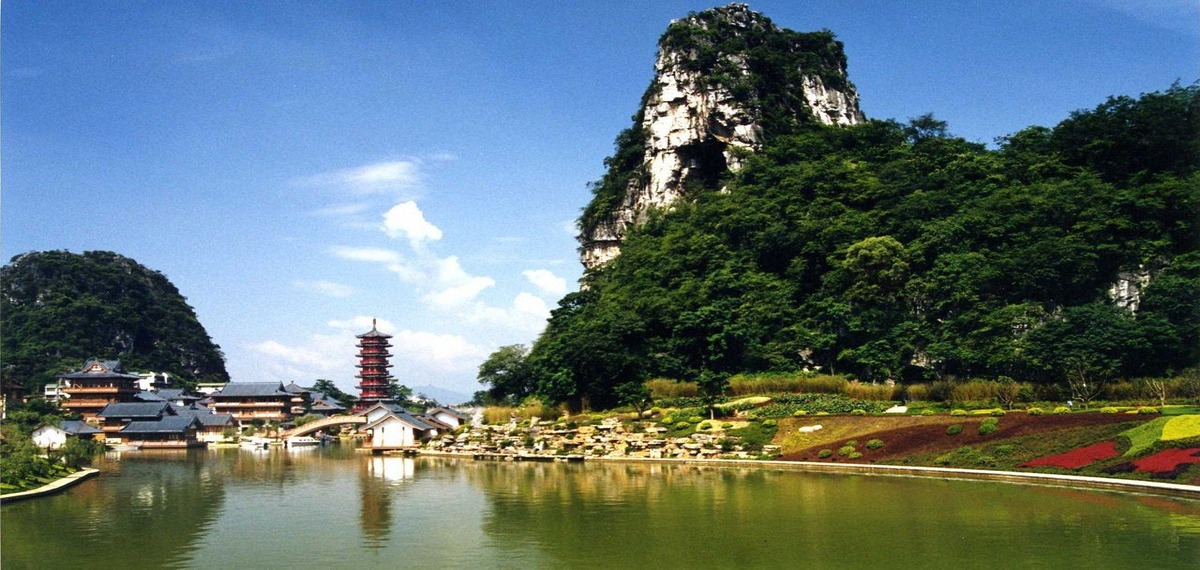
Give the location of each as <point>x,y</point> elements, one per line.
<point>373,368</point>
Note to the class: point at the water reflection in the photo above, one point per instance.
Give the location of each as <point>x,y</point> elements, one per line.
<point>379,476</point>
<point>335,508</point>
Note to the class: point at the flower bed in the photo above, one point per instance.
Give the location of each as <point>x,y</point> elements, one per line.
<point>1076,458</point>
<point>1167,460</point>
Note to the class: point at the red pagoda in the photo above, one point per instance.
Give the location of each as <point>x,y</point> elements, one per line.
<point>373,368</point>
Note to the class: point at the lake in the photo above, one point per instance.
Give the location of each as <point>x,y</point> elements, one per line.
<point>333,507</point>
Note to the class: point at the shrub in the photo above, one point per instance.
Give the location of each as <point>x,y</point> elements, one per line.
<point>825,453</point>
<point>954,429</point>
<point>958,412</point>
<point>726,425</point>
<point>874,444</point>
<point>852,443</point>
<point>822,413</point>
<point>1147,410</point>
<point>705,426</point>
<point>694,419</point>
<point>1062,410</point>
<point>926,412</point>
<point>858,412</point>
<point>667,420</point>
<point>845,450</point>
<point>682,425</point>
<point>769,423</point>
<point>799,413</point>
<point>854,455</point>
<point>1035,411</point>
<point>997,412</point>
<point>1108,410</point>
<point>988,426</point>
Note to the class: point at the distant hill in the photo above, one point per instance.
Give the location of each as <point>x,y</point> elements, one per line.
<point>59,308</point>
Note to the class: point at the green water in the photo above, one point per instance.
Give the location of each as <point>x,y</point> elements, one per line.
<point>334,508</point>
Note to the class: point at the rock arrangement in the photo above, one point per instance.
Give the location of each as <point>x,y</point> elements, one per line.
<point>608,438</point>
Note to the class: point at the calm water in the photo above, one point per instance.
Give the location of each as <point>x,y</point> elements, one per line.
<point>333,508</point>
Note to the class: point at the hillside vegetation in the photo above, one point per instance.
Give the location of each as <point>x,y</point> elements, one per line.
<point>59,308</point>
<point>892,251</point>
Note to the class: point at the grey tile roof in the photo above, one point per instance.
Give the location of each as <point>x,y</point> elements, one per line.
<point>77,427</point>
<point>176,394</point>
<point>250,389</point>
<point>171,424</point>
<point>136,410</point>
<point>295,388</point>
<point>450,411</point>
<point>115,370</point>
<point>149,397</point>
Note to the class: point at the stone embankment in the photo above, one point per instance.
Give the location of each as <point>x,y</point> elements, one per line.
<point>609,438</point>
<point>50,488</point>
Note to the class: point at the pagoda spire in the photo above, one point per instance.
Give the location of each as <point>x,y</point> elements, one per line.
<point>373,367</point>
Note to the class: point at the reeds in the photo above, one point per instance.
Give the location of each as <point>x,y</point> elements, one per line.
<point>752,384</point>
<point>667,388</point>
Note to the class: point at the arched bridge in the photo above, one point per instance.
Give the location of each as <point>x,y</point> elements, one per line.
<point>313,427</point>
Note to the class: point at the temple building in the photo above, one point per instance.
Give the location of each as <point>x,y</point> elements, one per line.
<point>96,385</point>
<point>373,368</point>
<point>250,402</point>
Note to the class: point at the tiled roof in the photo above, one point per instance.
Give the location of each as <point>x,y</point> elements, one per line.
<point>149,397</point>
<point>135,410</point>
<point>176,394</point>
<point>113,367</point>
<point>450,411</point>
<point>250,389</point>
<point>170,424</point>
<point>295,388</point>
<point>77,427</point>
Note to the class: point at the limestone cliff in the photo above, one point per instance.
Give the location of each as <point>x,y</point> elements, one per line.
<point>726,81</point>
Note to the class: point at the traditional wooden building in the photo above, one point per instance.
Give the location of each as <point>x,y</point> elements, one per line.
<point>170,432</point>
<point>114,417</point>
<point>55,436</point>
<point>253,401</point>
<point>373,368</point>
<point>98,384</point>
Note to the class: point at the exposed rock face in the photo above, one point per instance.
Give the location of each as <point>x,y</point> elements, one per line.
<point>1127,291</point>
<point>706,109</point>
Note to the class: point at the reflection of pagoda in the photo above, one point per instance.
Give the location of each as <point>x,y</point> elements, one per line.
<point>373,368</point>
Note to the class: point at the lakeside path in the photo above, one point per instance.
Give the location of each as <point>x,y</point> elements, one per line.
<point>1080,481</point>
<point>51,488</point>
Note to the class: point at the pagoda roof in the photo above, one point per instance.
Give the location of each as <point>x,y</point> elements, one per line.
<point>373,333</point>
<point>250,389</point>
<point>295,388</point>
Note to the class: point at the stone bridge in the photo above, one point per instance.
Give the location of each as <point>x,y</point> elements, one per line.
<point>313,427</point>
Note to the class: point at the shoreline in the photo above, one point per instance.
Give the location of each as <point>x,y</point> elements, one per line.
<point>51,488</point>
<point>1018,477</point>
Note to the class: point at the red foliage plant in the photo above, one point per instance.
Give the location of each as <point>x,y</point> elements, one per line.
<point>1076,458</point>
<point>1167,460</point>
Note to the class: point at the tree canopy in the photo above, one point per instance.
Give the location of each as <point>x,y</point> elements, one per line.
<point>60,308</point>
<point>892,251</point>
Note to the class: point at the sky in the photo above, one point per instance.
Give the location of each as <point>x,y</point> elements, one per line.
<point>298,169</point>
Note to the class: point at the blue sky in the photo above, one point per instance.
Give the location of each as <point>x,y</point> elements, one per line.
<point>299,168</point>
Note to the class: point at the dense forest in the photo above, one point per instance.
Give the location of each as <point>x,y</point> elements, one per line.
<point>890,251</point>
<point>60,308</point>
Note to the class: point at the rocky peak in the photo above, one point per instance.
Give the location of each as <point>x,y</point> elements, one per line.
<point>726,80</point>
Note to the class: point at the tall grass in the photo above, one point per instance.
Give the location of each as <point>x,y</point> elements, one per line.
<point>527,410</point>
<point>666,388</point>
<point>766,383</point>
<point>877,392</point>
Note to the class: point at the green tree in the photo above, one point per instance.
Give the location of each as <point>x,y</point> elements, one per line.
<point>508,374</point>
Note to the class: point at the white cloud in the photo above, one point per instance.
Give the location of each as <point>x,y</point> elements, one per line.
<point>375,178</point>
<point>406,220</point>
<point>329,288</point>
<point>526,315</point>
<point>455,287</point>
<point>342,210</point>
<point>370,254</point>
<point>546,281</point>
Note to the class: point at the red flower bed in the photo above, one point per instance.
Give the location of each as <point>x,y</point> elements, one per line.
<point>1167,460</point>
<point>1076,458</point>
